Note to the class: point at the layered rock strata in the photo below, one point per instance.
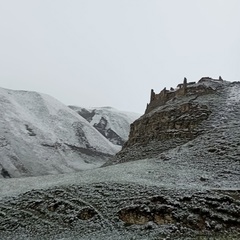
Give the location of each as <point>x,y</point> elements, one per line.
<point>178,116</point>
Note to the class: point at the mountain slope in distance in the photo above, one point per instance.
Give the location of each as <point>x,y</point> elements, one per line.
<point>39,135</point>
<point>113,124</point>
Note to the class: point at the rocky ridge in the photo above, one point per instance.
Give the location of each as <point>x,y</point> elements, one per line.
<point>208,107</point>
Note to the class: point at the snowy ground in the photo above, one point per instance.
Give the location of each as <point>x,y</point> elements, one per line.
<point>173,173</point>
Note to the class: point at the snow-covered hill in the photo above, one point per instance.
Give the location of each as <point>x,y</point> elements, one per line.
<point>39,135</point>
<point>111,123</point>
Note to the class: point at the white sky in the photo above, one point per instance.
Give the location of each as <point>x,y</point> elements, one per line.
<point>112,52</point>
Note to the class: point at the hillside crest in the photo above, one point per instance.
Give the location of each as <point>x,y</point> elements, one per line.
<point>177,116</point>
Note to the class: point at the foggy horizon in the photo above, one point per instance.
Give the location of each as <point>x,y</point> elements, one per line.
<point>112,53</point>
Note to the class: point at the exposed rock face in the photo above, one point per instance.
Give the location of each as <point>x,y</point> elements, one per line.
<point>176,117</point>
<point>183,89</point>
<point>170,122</point>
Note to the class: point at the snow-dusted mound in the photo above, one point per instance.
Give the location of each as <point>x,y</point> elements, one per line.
<point>39,135</point>
<point>111,123</point>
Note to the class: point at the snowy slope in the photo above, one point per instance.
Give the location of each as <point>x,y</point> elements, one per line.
<point>39,135</point>
<point>111,123</point>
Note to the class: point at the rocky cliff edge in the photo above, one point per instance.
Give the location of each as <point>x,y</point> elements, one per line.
<point>203,114</point>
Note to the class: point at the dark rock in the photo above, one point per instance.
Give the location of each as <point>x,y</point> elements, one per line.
<point>108,132</point>
<point>203,179</point>
<point>30,131</point>
<point>5,173</point>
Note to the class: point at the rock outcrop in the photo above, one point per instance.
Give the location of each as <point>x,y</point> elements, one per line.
<point>175,117</point>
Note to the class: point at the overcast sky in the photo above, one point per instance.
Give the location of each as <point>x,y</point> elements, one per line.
<point>112,52</point>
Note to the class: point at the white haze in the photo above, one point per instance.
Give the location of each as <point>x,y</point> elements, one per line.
<point>112,52</point>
